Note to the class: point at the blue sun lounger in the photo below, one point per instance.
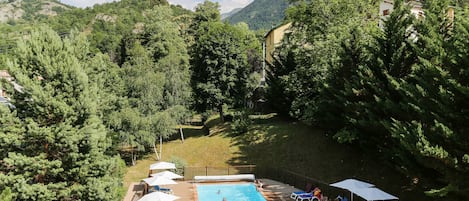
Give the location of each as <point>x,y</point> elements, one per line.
<point>308,189</point>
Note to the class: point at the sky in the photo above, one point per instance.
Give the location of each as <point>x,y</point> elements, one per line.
<point>225,5</point>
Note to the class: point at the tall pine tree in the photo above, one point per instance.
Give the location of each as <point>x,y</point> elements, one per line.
<point>57,144</point>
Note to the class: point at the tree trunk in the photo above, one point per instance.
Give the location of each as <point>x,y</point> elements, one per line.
<point>161,147</point>
<point>158,157</point>
<point>220,110</point>
<point>133,158</point>
<point>182,134</point>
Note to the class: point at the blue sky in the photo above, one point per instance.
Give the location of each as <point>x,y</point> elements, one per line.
<point>225,5</point>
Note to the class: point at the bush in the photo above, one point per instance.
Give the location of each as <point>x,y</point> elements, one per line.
<point>241,122</point>
<point>180,164</point>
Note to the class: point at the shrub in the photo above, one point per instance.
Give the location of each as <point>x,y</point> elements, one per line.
<point>180,164</point>
<point>241,122</point>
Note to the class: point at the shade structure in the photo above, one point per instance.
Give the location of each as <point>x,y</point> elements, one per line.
<point>162,166</point>
<point>371,194</point>
<point>167,174</point>
<point>158,196</point>
<point>156,181</point>
<point>351,185</point>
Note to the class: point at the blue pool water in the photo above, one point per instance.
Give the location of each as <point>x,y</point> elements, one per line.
<point>231,192</point>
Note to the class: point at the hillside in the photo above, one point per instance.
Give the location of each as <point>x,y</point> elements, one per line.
<point>29,9</point>
<point>231,13</point>
<point>261,14</point>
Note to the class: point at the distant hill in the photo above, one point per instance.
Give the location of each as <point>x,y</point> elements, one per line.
<point>29,10</point>
<point>231,13</point>
<point>261,14</point>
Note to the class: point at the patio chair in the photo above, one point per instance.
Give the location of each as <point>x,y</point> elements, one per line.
<point>308,188</point>
<point>164,190</point>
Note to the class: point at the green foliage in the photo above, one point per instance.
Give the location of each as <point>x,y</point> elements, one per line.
<point>206,12</point>
<point>277,80</point>
<point>220,66</point>
<point>6,195</point>
<point>398,91</point>
<point>156,91</point>
<point>55,148</point>
<point>180,164</point>
<point>241,122</point>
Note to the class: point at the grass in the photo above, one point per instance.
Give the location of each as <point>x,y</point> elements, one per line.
<point>273,142</point>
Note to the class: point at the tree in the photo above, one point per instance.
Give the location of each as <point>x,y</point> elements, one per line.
<point>219,66</point>
<point>206,12</point>
<point>57,147</point>
<point>435,138</point>
<point>157,82</point>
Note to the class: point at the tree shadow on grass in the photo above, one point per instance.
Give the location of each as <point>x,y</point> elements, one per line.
<point>295,147</point>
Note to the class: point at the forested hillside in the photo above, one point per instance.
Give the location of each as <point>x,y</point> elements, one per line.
<point>261,14</point>
<point>27,10</point>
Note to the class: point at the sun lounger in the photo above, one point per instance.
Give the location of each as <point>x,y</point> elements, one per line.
<point>164,190</point>
<point>308,189</point>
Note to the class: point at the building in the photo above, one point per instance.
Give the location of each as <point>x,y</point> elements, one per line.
<point>4,99</point>
<point>4,75</point>
<point>386,8</point>
<point>416,8</point>
<point>272,39</point>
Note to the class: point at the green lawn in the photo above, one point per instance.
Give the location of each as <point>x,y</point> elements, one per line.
<point>293,146</point>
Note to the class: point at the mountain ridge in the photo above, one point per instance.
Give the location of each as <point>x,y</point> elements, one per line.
<point>15,10</point>
<point>261,14</point>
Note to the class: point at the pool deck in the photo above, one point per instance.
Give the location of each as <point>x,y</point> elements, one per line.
<point>272,191</point>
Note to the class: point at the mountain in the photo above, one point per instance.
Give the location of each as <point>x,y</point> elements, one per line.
<point>29,10</point>
<point>229,14</point>
<point>261,14</point>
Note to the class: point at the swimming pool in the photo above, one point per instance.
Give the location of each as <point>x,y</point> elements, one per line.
<point>231,192</point>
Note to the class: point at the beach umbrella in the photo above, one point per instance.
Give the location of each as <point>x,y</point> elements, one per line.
<point>158,196</point>
<point>162,166</point>
<point>156,181</point>
<point>167,174</point>
<point>351,185</point>
<point>371,194</point>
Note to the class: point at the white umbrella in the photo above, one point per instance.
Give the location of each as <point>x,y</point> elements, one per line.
<point>371,194</point>
<point>162,166</point>
<point>167,174</point>
<point>156,181</point>
<point>351,185</point>
<point>158,196</point>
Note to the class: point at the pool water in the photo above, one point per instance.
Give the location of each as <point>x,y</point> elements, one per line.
<point>231,192</point>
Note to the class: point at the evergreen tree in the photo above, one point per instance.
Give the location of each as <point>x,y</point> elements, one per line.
<point>434,96</point>
<point>57,144</point>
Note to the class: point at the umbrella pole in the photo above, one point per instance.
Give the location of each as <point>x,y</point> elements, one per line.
<point>351,196</point>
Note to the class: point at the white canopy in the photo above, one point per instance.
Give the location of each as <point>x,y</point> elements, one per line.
<point>167,174</point>
<point>162,166</point>
<point>158,196</point>
<point>156,181</point>
<point>352,185</point>
<point>371,194</point>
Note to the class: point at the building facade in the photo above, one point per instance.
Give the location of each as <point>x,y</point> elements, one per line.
<point>272,39</point>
